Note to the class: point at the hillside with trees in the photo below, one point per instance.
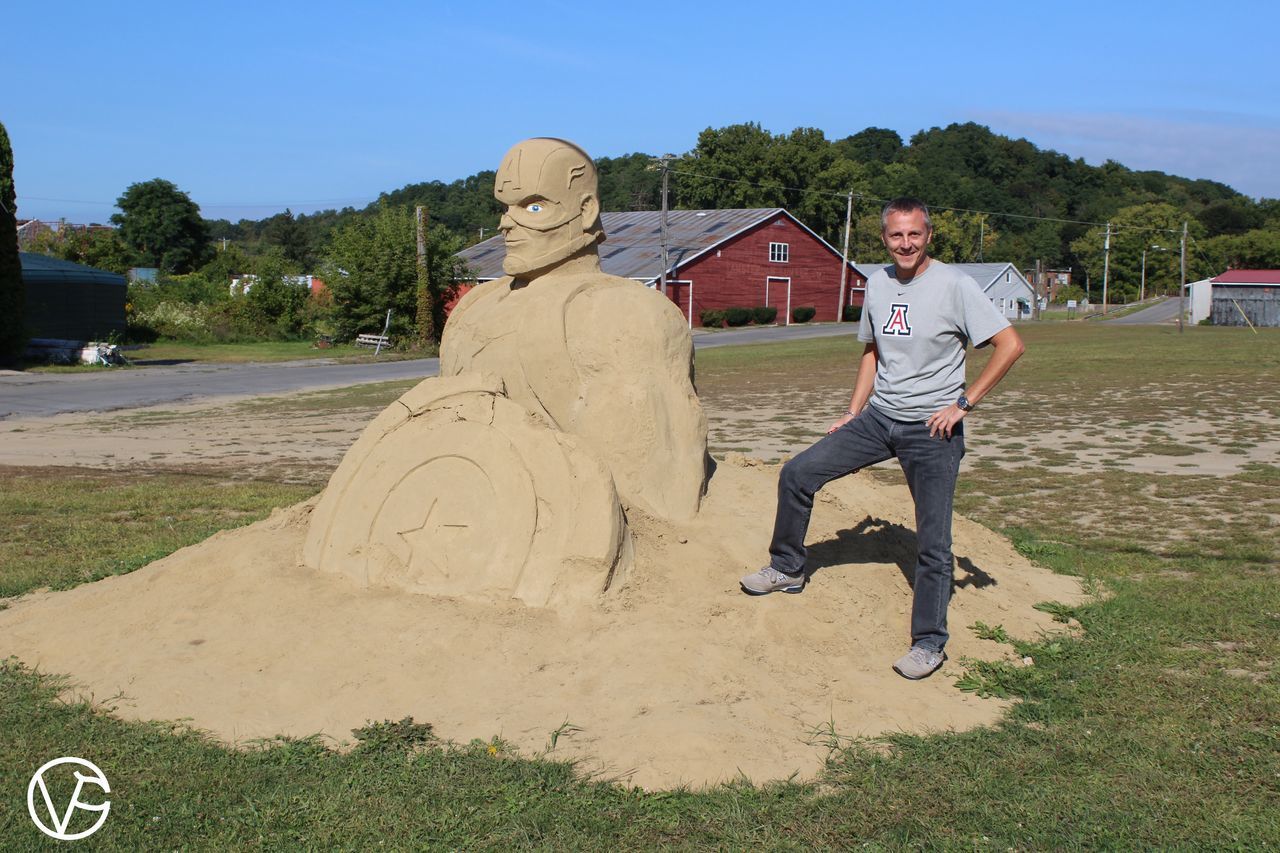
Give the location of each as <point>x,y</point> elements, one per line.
<point>994,198</point>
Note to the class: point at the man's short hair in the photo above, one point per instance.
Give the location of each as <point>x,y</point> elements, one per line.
<point>905,204</point>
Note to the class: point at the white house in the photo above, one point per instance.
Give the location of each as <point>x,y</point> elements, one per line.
<point>1007,288</point>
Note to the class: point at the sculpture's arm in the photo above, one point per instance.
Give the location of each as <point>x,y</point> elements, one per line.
<point>634,354</point>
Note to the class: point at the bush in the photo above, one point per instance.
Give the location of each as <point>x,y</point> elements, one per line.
<point>852,313</point>
<point>737,316</point>
<point>803,314</point>
<point>713,319</point>
<point>764,315</point>
<point>170,319</point>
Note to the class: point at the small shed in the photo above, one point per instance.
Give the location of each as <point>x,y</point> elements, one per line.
<point>1007,288</point>
<point>1200,294</point>
<point>68,301</point>
<point>1238,294</point>
<point>719,259</point>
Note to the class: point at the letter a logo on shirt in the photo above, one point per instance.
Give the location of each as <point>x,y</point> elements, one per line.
<point>897,323</point>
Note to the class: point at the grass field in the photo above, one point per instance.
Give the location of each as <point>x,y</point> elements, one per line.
<point>1158,726</point>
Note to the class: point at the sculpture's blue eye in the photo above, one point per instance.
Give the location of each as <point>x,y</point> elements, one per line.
<point>534,207</point>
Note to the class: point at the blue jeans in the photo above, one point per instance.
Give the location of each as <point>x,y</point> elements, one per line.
<point>930,465</point>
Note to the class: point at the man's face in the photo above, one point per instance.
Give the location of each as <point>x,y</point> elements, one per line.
<point>905,236</point>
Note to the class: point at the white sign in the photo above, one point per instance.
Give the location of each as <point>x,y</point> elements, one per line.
<point>1071,303</point>
<point>58,829</point>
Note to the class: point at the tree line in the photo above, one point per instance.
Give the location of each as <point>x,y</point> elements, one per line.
<point>994,199</point>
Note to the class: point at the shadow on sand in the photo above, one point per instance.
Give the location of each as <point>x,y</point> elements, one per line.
<point>874,540</point>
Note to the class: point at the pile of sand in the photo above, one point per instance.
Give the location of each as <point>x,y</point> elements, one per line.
<point>676,678</point>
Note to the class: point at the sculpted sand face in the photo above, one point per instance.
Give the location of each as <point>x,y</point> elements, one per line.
<point>565,395</point>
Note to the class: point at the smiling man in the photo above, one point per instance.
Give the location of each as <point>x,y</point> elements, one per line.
<point>909,401</point>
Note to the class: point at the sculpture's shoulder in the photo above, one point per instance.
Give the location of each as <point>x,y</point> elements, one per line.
<point>465,324</point>
<point>640,320</point>
<point>479,293</point>
<point>634,302</point>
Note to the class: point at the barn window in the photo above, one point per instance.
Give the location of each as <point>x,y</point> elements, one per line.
<point>779,253</point>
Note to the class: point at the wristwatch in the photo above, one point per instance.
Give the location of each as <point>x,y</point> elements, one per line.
<point>963,404</point>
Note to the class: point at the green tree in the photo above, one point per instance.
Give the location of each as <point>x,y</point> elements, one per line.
<point>732,167</point>
<point>629,182</point>
<point>275,305</point>
<point>290,237</point>
<point>873,145</point>
<point>1154,227</point>
<point>13,336</point>
<point>163,226</point>
<point>1256,249</point>
<point>98,247</point>
<point>372,267</point>
<point>957,235</point>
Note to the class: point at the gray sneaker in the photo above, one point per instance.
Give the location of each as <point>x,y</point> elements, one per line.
<point>919,663</point>
<point>769,580</point>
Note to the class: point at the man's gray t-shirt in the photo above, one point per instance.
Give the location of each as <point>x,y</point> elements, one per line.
<point>921,330</point>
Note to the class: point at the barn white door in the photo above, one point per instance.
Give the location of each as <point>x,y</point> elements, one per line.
<point>777,294</point>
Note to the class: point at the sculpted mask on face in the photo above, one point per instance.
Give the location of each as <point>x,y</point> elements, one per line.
<point>549,189</point>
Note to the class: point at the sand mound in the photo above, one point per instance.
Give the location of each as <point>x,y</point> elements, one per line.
<point>677,678</point>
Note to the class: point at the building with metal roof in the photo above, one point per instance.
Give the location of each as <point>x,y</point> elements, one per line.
<point>69,301</point>
<point>1245,297</point>
<point>718,259</point>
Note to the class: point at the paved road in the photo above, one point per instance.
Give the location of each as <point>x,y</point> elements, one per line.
<point>42,394</point>
<point>39,394</point>
<point>1165,311</point>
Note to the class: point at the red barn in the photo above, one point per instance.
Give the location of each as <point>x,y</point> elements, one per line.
<point>718,259</point>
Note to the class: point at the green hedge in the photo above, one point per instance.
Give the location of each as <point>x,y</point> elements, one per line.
<point>737,316</point>
<point>852,313</point>
<point>764,315</point>
<point>713,319</point>
<point>803,314</point>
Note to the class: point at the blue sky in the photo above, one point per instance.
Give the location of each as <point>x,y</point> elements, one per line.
<point>254,107</point>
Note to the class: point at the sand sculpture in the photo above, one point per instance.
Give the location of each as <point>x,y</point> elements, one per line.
<point>565,400</point>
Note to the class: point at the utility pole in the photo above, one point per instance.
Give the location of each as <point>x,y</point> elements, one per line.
<point>1106,266</point>
<point>1035,309</point>
<point>662,279</point>
<point>982,235</point>
<point>425,319</point>
<point>844,256</point>
<point>1182,286</point>
<point>1142,288</point>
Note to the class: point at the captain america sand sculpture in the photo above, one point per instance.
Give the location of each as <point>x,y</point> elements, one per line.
<point>565,400</point>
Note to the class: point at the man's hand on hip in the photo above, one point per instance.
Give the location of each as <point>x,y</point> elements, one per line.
<point>844,419</point>
<point>943,421</point>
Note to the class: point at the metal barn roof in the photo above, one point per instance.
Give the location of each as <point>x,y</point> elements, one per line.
<point>1248,277</point>
<point>42,269</point>
<point>633,247</point>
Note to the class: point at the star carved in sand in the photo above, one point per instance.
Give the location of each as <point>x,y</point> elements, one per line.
<point>431,542</point>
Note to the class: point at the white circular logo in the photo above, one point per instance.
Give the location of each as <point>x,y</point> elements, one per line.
<point>57,828</point>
